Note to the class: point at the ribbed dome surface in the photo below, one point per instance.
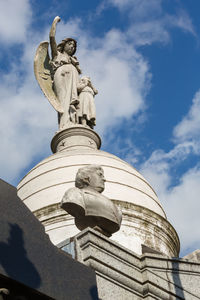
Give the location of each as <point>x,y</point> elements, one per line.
<point>54,175</point>
<point>144,220</point>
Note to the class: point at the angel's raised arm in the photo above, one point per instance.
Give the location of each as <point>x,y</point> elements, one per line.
<point>52,39</point>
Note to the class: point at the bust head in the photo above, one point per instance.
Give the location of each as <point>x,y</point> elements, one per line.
<point>91,176</point>
<point>67,45</point>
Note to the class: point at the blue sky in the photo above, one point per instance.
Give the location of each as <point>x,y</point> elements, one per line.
<point>144,58</point>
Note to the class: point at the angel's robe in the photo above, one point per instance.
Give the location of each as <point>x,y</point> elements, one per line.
<point>66,79</point>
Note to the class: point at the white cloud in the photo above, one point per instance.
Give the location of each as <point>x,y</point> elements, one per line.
<point>118,71</point>
<point>189,127</point>
<point>27,117</point>
<point>179,196</point>
<point>148,22</point>
<point>25,124</point>
<point>139,8</point>
<point>157,29</point>
<point>122,85</point>
<point>122,76</point>
<point>156,171</point>
<point>15,16</point>
<point>180,20</point>
<point>183,205</point>
<point>148,32</point>
<point>180,201</point>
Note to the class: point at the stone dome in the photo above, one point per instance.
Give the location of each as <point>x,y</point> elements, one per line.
<point>144,220</point>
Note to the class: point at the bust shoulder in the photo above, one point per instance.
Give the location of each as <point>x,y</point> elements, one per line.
<point>72,199</point>
<point>73,193</point>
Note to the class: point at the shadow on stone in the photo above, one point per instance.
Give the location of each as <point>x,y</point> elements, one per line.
<point>177,280</point>
<point>94,293</point>
<point>14,260</point>
<point>30,263</point>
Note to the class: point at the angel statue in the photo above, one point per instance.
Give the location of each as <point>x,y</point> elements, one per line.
<point>59,77</point>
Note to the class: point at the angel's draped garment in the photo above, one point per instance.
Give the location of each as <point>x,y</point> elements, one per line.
<point>66,78</point>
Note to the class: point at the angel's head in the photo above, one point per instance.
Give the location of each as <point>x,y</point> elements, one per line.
<point>68,46</point>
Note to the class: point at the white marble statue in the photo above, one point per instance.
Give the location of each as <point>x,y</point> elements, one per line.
<point>86,203</point>
<point>87,111</point>
<point>58,77</point>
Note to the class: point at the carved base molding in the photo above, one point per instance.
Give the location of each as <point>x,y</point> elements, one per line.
<point>77,137</point>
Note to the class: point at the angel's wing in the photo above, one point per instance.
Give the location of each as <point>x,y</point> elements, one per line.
<point>43,74</point>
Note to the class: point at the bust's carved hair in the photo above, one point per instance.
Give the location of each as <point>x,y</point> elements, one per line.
<point>61,46</point>
<point>83,175</point>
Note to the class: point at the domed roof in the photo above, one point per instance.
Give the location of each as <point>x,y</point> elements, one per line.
<point>49,180</point>
<point>43,187</point>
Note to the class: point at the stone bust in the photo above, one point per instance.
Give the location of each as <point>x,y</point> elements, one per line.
<point>86,203</point>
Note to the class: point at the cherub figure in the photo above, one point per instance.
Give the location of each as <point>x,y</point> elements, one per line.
<point>86,112</point>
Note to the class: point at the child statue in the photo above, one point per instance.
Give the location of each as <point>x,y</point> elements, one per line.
<point>86,112</point>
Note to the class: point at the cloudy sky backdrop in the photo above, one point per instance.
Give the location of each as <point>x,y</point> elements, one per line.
<point>144,58</point>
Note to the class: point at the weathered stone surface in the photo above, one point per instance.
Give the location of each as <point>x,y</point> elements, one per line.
<point>114,265</point>
<point>195,256</point>
<point>122,274</point>
<point>75,137</point>
<point>146,228</point>
<point>175,277</point>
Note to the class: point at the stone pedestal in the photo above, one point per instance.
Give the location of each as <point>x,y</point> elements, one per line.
<point>117,269</point>
<point>75,137</point>
<point>122,274</point>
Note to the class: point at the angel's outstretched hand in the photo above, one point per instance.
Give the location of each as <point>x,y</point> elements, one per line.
<point>56,19</point>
